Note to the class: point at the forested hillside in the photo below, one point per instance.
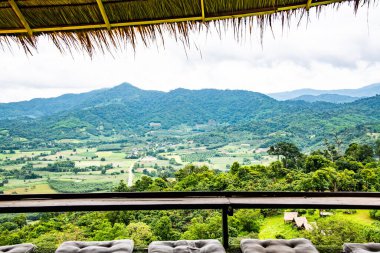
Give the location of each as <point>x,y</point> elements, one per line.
<point>125,110</point>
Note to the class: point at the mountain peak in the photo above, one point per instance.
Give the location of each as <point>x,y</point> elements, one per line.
<point>126,86</point>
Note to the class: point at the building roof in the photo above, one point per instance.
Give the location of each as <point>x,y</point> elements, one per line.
<point>289,216</point>
<point>325,213</point>
<point>300,221</point>
<point>310,226</point>
<point>103,24</point>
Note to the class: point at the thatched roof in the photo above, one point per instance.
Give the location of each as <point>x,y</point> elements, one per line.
<point>300,221</point>
<point>104,24</point>
<point>289,216</point>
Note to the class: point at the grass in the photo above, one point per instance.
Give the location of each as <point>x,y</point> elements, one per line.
<point>273,226</point>
<point>360,217</point>
<point>39,188</point>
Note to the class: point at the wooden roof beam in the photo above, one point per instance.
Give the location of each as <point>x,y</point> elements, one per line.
<point>308,5</point>
<point>203,10</point>
<point>21,17</point>
<point>104,14</point>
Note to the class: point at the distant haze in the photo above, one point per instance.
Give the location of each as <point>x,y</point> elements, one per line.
<point>366,91</point>
<point>308,95</point>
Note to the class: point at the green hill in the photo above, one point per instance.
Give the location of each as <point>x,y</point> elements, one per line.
<point>126,109</point>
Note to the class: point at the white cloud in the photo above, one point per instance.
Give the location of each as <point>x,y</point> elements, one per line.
<point>336,50</point>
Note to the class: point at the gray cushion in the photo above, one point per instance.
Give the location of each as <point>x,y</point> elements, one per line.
<point>277,246</point>
<point>119,246</point>
<point>18,248</point>
<point>186,246</point>
<point>361,248</point>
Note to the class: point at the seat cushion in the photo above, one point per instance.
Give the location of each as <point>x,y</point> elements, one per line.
<point>119,246</point>
<point>277,246</point>
<point>18,248</point>
<point>186,246</point>
<point>361,247</point>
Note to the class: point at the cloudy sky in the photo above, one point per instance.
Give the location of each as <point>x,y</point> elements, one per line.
<point>336,50</point>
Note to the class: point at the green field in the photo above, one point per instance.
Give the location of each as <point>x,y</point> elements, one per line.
<point>89,161</point>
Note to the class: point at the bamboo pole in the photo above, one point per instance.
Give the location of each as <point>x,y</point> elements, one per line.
<point>203,10</point>
<point>104,14</point>
<point>21,17</point>
<point>308,4</point>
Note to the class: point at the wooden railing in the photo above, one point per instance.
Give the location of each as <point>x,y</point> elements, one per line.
<point>225,201</point>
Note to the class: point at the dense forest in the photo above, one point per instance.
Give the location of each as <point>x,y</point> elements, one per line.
<point>357,168</point>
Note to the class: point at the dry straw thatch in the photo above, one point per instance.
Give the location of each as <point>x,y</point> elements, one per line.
<point>88,25</point>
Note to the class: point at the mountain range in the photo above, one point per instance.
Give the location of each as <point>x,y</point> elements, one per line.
<point>126,109</point>
<point>332,96</point>
<point>329,98</point>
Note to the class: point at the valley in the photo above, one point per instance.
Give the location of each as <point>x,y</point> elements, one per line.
<point>89,142</point>
<point>125,139</point>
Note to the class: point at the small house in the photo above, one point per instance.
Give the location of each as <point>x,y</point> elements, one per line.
<point>289,216</point>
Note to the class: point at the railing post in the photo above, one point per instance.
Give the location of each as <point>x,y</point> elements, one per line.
<point>225,227</point>
<point>226,211</point>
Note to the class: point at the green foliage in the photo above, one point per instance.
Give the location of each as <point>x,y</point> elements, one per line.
<point>198,157</point>
<point>316,162</point>
<point>288,151</point>
<point>377,147</point>
<point>140,233</point>
<point>375,214</point>
<point>334,232</point>
<point>246,221</point>
<point>209,228</point>
<point>360,153</point>
<point>65,186</point>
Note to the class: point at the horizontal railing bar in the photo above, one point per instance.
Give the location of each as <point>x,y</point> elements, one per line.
<point>5,197</point>
<point>186,200</point>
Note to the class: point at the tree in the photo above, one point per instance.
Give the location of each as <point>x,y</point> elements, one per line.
<point>346,181</point>
<point>142,184</point>
<point>247,221</point>
<point>206,229</point>
<point>163,228</point>
<point>188,170</point>
<point>335,231</point>
<point>344,163</point>
<point>331,151</point>
<point>377,148</point>
<point>369,179</point>
<point>140,233</point>
<point>121,187</point>
<point>316,162</point>
<point>324,179</point>
<point>289,151</point>
<point>277,170</point>
<point>172,161</point>
<point>360,153</point>
<point>234,168</point>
